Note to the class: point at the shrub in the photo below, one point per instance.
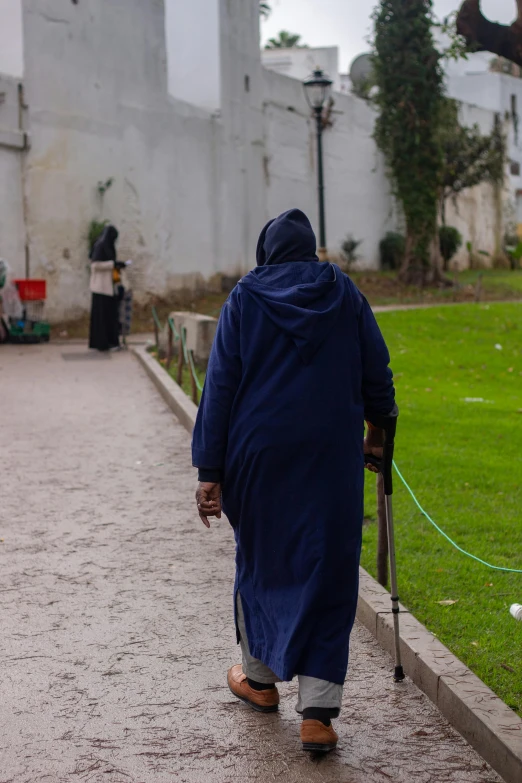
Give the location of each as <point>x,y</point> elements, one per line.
<point>95,231</point>
<point>392,249</point>
<point>513,250</point>
<point>348,249</point>
<point>450,243</point>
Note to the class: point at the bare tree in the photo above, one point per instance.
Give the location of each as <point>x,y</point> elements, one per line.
<point>484,35</point>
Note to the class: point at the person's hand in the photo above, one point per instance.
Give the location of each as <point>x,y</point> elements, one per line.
<point>373,444</point>
<point>208,498</point>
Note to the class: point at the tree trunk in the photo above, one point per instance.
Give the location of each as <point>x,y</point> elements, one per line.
<point>382,544</point>
<point>409,273</point>
<point>435,273</point>
<point>413,272</point>
<point>483,35</point>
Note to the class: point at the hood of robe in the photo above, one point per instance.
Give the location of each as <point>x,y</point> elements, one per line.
<point>300,295</point>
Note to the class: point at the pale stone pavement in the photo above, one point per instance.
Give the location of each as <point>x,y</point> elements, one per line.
<point>116,609</point>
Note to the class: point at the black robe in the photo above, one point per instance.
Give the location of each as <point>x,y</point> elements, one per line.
<point>104,326</point>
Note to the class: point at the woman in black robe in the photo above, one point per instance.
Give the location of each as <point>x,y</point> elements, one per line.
<point>104,329</point>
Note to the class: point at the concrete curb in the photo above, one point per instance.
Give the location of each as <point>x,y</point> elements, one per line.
<point>485,721</point>
<point>174,396</point>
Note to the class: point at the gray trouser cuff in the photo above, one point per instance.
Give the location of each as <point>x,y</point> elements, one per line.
<point>312,691</point>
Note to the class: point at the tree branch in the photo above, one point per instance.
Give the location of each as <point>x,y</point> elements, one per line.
<point>484,35</point>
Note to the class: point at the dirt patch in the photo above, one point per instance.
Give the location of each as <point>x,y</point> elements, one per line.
<point>379,288</point>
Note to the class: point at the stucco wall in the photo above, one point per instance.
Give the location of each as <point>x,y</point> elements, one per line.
<point>99,111</point>
<point>476,213</point>
<point>188,192</point>
<point>11,40</point>
<point>12,233</point>
<point>357,193</point>
<point>192,188</point>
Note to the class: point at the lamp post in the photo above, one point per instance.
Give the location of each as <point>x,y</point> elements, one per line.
<point>317,90</point>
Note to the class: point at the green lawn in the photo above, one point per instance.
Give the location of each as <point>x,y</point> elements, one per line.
<point>463,460</point>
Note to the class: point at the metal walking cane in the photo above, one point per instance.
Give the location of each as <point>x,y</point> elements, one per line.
<point>385,466</point>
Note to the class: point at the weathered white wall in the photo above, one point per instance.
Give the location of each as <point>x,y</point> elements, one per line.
<point>477,213</point>
<point>12,232</point>
<point>188,192</point>
<point>107,114</point>
<point>11,39</point>
<point>476,86</point>
<point>240,193</point>
<point>192,188</point>
<point>357,192</point>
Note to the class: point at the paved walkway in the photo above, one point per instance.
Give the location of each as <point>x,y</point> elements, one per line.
<point>116,609</point>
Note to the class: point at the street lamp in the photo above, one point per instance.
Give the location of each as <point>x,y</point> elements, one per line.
<point>317,90</point>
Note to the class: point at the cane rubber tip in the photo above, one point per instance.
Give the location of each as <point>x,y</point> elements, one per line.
<point>399,675</point>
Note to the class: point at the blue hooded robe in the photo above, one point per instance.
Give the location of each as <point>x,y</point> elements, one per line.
<point>297,364</point>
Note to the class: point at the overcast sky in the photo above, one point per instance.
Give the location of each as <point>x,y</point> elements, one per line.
<point>347,23</point>
<point>343,23</point>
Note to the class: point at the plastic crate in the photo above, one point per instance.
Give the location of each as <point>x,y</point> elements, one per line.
<point>26,332</point>
<point>31,290</point>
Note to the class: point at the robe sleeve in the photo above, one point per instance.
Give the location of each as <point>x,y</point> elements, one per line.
<point>378,390</point>
<point>210,438</point>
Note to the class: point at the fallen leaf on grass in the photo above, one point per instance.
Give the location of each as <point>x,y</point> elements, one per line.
<point>475,644</point>
<point>447,603</point>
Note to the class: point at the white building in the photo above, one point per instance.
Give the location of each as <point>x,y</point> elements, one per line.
<point>300,63</point>
<point>196,172</point>
<point>483,81</point>
<point>484,86</point>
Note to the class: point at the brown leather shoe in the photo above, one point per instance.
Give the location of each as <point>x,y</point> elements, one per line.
<point>317,737</point>
<point>262,701</point>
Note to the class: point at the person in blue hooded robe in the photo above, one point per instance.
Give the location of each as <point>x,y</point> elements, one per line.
<point>297,365</point>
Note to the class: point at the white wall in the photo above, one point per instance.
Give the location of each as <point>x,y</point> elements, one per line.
<point>191,189</point>
<point>12,232</point>
<point>357,192</point>
<point>476,213</point>
<point>11,39</point>
<point>108,115</point>
<point>484,94</point>
<point>241,193</point>
<point>188,193</point>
